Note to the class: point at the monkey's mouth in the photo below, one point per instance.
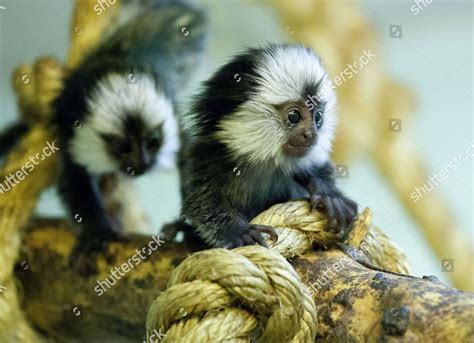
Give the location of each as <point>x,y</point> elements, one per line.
<point>300,150</point>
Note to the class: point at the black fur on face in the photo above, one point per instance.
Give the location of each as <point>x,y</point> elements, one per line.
<point>135,151</point>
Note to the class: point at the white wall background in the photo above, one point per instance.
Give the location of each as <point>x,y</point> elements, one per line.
<point>434,57</point>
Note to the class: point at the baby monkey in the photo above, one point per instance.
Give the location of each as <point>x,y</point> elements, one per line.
<point>116,116</point>
<point>254,140</point>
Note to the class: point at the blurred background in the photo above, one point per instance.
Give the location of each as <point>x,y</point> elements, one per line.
<point>430,52</point>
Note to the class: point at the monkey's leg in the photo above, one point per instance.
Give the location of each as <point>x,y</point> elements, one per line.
<point>81,195</point>
<point>224,227</point>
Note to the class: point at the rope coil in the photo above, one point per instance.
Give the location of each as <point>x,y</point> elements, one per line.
<point>249,293</point>
<point>253,293</point>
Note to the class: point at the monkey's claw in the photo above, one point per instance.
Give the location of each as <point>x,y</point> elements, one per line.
<point>269,230</point>
<point>340,211</point>
<point>251,235</point>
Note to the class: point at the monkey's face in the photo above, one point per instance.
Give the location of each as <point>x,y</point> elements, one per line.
<point>128,128</point>
<point>302,128</point>
<point>287,114</point>
<point>135,150</point>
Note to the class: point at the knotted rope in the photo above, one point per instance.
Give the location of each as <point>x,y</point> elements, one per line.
<point>253,293</point>
<point>249,292</point>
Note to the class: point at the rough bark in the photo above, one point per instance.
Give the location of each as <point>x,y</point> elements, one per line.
<point>355,303</point>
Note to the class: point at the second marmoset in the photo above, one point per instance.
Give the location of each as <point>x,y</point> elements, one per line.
<point>254,140</point>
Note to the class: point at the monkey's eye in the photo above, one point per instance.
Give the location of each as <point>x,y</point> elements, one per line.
<point>154,144</point>
<point>318,118</point>
<point>294,116</point>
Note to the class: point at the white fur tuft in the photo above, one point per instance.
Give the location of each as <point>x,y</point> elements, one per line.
<point>114,97</point>
<point>255,130</point>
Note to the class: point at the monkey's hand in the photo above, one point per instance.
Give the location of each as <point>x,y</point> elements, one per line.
<point>340,210</point>
<point>249,234</point>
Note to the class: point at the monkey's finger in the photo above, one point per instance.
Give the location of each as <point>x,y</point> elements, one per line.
<point>257,237</point>
<point>350,212</point>
<point>339,211</point>
<point>352,205</point>
<point>339,215</point>
<point>269,230</point>
<point>332,223</point>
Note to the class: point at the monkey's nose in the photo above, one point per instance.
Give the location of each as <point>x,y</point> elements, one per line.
<point>308,136</point>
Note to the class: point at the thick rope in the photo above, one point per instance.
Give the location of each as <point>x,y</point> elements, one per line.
<point>249,292</point>
<point>255,287</point>
<point>19,197</point>
<point>299,229</point>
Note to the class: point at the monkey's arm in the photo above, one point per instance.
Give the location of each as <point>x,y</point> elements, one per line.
<point>324,195</point>
<point>219,224</point>
<point>82,198</point>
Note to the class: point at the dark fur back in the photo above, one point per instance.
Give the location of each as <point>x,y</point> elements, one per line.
<point>170,36</point>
